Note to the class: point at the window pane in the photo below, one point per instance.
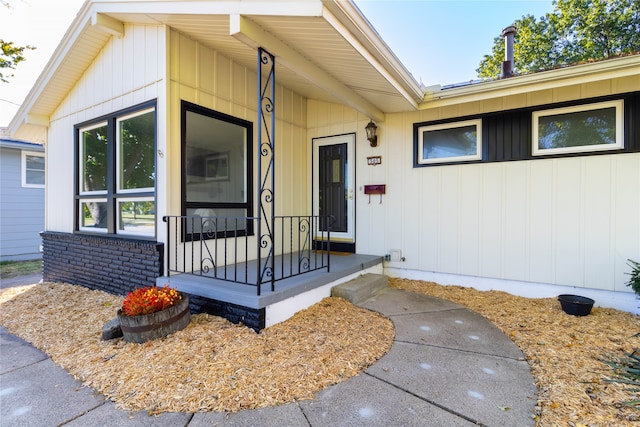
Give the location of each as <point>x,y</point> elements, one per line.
<point>34,170</point>
<point>455,142</point>
<point>35,177</point>
<point>136,217</point>
<point>216,159</point>
<point>93,215</point>
<point>136,151</point>
<point>35,162</point>
<point>582,128</point>
<point>216,220</point>
<point>94,159</point>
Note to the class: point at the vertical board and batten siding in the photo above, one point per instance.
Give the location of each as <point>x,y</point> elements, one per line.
<point>127,71</point>
<point>569,221</point>
<point>21,211</point>
<point>203,76</point>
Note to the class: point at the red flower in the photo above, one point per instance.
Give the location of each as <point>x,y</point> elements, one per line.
<point>150,300</point>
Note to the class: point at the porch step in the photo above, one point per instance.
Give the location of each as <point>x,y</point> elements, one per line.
<point>361,288</point>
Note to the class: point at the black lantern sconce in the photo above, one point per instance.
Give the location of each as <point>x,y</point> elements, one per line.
<point>371,133</point>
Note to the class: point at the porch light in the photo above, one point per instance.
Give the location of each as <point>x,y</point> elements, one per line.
<point>371,133</point>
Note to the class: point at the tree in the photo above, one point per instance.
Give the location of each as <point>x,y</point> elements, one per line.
<point>11,55</point>
<point>576,31</point>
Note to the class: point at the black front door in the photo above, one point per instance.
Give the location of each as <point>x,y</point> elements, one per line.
<point>332,186</point>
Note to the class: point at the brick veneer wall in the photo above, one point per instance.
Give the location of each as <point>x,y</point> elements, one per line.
<point>113,265</point>
<point>253,318</point>
<point>118,266</point>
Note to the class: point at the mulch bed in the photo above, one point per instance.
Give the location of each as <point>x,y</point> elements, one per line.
<point>214,365</point>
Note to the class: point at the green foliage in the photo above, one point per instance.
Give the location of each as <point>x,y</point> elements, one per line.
<point>18,268</point>
<point>577,31</point>
<point>10,57</point>
<point>634,281</point>
<point>626,370</point>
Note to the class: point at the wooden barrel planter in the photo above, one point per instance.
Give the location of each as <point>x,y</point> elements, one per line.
<point>155,325</point>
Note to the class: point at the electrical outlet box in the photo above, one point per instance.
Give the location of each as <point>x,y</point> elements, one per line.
<point>396,255</point>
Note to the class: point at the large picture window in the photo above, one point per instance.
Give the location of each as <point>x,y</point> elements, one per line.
<point>116,173</point>
<point>217,170</point>
<point>591,127</point>
<point>450,142</point>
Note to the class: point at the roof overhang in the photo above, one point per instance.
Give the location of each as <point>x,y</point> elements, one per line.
<point>325,50</point>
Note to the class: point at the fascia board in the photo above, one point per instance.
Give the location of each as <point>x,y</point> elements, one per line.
<point>228,7</point>
<point>347,19</point>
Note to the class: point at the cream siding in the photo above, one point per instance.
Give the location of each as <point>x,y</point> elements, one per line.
<point>200,75</point>
<point>128,71</point>
<point>564,221</point>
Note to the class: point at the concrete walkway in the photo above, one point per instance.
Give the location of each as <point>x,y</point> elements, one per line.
<point>447,367</point>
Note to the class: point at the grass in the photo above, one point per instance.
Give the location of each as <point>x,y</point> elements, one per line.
<point>19,268</point>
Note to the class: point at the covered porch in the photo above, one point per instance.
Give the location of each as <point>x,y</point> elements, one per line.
<point>226,267</point>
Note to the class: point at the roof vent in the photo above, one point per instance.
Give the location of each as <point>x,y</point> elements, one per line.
<point>507,65</point>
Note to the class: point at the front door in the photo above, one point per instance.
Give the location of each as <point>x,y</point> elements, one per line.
<point>333,189</point>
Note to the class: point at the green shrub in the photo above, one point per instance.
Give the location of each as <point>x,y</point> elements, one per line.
<point>634,282</point>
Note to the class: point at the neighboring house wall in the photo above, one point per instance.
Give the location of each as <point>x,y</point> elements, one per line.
<point>21,207</point>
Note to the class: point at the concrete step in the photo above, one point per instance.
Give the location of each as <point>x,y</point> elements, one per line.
<point>361,288</point>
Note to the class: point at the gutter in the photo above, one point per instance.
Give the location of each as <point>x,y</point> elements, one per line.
<point>572,75</point>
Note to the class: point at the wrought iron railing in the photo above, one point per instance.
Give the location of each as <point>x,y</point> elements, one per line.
<point>227,248</point>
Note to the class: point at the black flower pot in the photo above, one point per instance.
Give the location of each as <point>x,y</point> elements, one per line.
<point>575,304</point>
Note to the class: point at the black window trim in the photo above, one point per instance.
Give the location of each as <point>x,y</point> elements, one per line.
<point>112,196</point>
<point>186,106</point>
<point>631,136</point>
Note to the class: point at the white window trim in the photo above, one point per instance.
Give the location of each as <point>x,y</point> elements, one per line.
<point>619,143</point>
<point>24,169</point>
<point>119,188</point>
<point>90,229</point>
<point>80,159</point>
<point>129,232</point>
<point>478,156</point>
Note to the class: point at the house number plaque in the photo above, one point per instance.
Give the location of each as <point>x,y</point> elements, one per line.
<point>374,160</point>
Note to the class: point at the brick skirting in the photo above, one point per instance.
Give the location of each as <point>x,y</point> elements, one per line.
<point>110,264</point>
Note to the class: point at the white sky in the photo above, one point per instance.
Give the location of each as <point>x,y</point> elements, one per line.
<point>439,41</point>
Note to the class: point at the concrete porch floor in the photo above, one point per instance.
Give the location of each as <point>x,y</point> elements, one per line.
<point>291,294</point>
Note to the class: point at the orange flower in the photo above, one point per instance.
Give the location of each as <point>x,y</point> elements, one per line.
<point>150,300</point>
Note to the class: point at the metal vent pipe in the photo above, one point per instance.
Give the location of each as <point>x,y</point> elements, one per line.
<point>508,64</point>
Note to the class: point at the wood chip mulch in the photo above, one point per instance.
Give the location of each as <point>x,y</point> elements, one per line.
<point>211,365</point>
<point>214,365</point>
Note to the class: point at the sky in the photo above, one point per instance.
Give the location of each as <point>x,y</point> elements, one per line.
<point>438,41</point>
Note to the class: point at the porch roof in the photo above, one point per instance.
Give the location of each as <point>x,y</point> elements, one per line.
<point>326,50</point>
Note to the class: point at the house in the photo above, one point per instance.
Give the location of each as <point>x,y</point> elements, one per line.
<point>209,145</point>
<point>22,186</point>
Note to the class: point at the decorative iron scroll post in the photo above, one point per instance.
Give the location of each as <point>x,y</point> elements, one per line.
<point>266,160</point>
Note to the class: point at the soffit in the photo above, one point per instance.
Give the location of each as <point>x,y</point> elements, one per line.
<point>363,70</point>
<point>312,37</point>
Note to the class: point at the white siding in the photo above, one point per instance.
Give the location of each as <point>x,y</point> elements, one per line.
<point>128,71</point>
<point>564,221</point>
<point>568,221</point>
